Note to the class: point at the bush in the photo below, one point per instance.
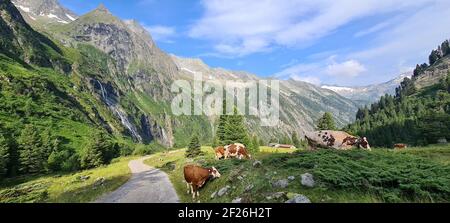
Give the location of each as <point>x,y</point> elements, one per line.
<point>71,164</point>
<point>151,148</point>
<point>125,149</point>
<point>65,160</point>
<point>142,150</point>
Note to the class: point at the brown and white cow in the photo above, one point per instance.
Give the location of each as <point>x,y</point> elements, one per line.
<point>197,176</point>
<point>335,140</point>
<point>236,150</point>
<point>219,152</point>
<point>400,146</point>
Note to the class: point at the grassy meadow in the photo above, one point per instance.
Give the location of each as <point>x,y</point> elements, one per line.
<point>411,175</point>
<point>79,187</point>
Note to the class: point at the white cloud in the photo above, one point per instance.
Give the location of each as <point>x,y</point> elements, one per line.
<point>350,68</point>
<point>373,29</point>
<point>161,33</point>
<point>242,27</point>
<point>328,69</point>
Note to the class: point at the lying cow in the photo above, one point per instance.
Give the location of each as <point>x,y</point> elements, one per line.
<point>219,152</point>
<point>400,146</point>
<point>335,140</point>
<point>236,150</point>
<point>196,177</point>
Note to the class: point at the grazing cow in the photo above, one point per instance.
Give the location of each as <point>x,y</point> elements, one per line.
<point>196,177</point>
<point>335,140</point>
<point>236,150</point>
<point>400,146</point>
<point>219,152</point>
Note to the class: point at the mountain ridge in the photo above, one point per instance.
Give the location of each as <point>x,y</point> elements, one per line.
<point>139,75</point>
<point>365,95</point>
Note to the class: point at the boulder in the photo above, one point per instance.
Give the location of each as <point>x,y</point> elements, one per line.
<point>223,191</point>
<point>257,163</point>
<point>213,195</point>
<point>298,199</point>
<point>84,178</point>
<point>99,181</point>
<point>248,188</point>
<point>291,178</point>
<point>308,180</point>
<point>279,195</point>
<point>281,183</point>
<point>237,200</point>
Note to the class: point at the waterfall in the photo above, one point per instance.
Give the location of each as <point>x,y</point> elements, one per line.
<point>117,110</point>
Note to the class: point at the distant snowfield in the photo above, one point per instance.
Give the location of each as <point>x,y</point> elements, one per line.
<point>339,89</point>
<point>25,9</point>
<point>70,17</point>
<point>53,16</point>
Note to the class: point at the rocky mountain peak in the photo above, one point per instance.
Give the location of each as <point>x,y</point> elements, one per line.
<point>44,11</point>
<point>102,9</point>
<point>19,41</point>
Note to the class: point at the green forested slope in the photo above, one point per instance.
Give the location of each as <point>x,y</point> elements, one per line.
<point>419,113</point>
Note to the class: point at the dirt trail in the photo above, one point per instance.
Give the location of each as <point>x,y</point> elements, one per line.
<point>146,185</point>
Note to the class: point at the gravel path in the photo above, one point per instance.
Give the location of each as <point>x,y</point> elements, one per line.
<point>147,185</point>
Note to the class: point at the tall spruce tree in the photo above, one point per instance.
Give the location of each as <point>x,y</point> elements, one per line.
<point>95,151</point>
<point>194,148</point>
<point>326,122</point>
<point>4,156</point>
<point>31,154</point>
<point>295,141</point>
<point>232,129</point>
<point>254,144</point>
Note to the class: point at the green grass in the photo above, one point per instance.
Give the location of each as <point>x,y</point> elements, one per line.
<point>267,149</point>
<point>438,153</point>
<point>65,188</point>
<point>413,175</point>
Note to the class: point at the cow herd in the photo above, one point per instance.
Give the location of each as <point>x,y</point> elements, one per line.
<point>196,176</point>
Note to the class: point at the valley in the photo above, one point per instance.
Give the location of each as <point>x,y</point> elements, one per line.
<point>82,97</point>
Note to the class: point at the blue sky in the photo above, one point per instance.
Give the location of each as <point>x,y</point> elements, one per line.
<point>325,42</point>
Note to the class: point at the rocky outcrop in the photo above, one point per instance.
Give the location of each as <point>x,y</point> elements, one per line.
<point>149,69</point>
<point>152,130</point>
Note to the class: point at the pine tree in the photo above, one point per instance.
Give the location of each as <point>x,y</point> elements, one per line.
<point>194,148</point>
<point>255,144</point>
<point>232,129</point>
<point>295,141</point>
<point>4,156</point>
<point>285,140</point>
<point>31,154</point>
<point>49,143</point>
<point>215,142</point>
<point>326,122</point>
<point>223,120</point>
<point>94,154</point>
<point>221,132</point>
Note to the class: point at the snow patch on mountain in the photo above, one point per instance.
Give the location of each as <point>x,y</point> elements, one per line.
<point>25,9</point>
<point>70,17</point>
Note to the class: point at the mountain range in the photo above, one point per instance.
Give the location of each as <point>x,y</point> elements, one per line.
<point>117,66</point>
<point>368,94</point>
